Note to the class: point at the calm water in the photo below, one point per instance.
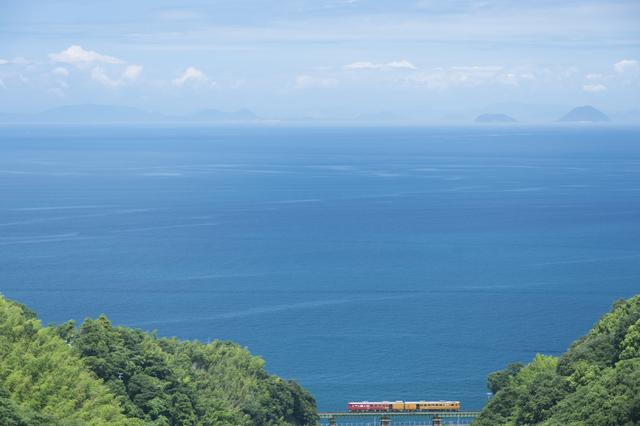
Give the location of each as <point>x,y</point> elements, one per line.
<point>366,263</point>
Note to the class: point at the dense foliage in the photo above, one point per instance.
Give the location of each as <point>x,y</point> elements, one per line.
<point>596,382</point>
<point>42,381</point>
<point>101,374</point>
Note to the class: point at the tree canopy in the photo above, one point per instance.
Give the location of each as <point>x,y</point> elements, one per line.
<point>99,374</point>
<point>596,382</point>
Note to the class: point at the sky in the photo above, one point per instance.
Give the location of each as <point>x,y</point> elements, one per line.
<point>441,59</point>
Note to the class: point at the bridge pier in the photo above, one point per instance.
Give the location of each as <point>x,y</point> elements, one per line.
<point>436,421</point>
<point>385,421</point>
<point>332,421</point>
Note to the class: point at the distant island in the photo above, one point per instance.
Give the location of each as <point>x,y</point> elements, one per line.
<point>596,382</point>
<point>115,114</point>
<point>584,114</point>
<point>495,118</point>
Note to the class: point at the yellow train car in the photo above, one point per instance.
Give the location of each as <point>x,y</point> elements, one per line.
<point>397,406</point>
<point>410,406</point>
<point>439,405</point>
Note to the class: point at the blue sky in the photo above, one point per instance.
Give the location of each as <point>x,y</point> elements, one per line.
<point>320,58</point>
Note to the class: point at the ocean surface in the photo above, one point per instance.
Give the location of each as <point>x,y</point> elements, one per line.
<point>378,263</point>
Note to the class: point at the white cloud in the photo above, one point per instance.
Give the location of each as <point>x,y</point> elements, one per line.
<point>401,64</point>
<point>462,76</point>
<point>96,63</point>
<point>626,65</point>
<point>476,71</point>
<point>78,56</point>
<point>99,75</point>
<point>60,72</point>
<point>361,66</point>
<point>594,77</point>
<point>132,72</point>
<point>16,61</point>
<point>443,78</point>
<point>310,82</point>
<point>514,78</point>
<point>594,88</point>
<point>191,75</point>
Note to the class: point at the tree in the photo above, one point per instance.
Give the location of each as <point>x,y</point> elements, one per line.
<point>595,383</point>
<point>99,374</point>
<point>500,379</point>
<point>44,381</point>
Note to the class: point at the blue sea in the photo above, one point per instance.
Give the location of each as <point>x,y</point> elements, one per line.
<point>366,263</point>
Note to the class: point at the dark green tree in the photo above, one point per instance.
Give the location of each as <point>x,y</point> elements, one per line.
<point>500,379</point>
<point>99,374</point>
<point>595,383</point>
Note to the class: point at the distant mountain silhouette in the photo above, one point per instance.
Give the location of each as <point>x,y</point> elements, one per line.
<point>528,112</point>
<point>104,114</point>
<point>85,114</point>
<point>217,115</point>
<point>495,118</point>
<point>585,114</point>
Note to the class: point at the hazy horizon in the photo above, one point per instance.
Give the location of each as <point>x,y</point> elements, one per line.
<point>412,60</point>
<point>95,114</point>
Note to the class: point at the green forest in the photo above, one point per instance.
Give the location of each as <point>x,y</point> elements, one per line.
<point>595,383</point>
<point>99,374</point>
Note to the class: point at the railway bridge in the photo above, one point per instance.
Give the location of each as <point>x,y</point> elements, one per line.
<point>422,418</point>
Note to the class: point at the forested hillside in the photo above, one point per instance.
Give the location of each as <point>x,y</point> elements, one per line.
<point>596,382</point>
<point>98,374</point>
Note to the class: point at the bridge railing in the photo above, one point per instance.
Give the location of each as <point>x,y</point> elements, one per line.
<point>423,418</point>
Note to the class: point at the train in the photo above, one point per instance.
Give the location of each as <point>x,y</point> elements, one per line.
<point>402,406</point>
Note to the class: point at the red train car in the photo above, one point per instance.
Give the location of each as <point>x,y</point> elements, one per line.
<point>366,406</point>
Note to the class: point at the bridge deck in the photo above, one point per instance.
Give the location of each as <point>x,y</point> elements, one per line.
<point>441,414</point>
